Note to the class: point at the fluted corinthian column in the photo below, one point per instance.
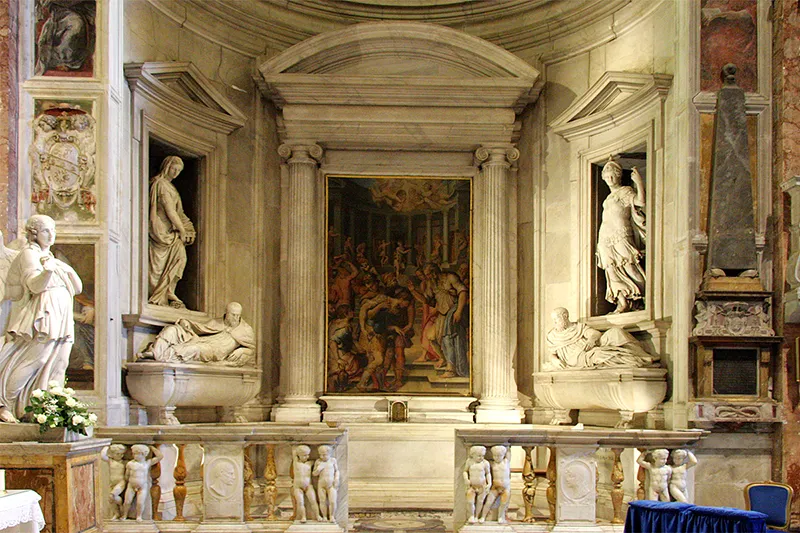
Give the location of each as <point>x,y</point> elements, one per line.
<point>302,307</point>
<point>493,321</point>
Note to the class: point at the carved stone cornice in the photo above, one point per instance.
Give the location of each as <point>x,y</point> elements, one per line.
<point>615,98</point>
<point>184,90</point>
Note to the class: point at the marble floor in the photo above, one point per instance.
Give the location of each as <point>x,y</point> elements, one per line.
<point>401,522</point>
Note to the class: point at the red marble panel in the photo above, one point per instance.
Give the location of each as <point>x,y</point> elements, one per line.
<point>728,35</point>
<point>83,502</point>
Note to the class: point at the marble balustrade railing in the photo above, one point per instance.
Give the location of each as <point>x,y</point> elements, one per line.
<point>231,458</point>
<point>572,469</point>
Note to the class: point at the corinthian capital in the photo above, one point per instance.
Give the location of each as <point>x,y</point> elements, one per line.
<point>300,152</point>
<point>504,154</point>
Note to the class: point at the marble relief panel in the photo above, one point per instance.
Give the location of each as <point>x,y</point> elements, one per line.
<point>398,285</point>
<point>81,257</point>
<point>65,33</point>
<point>62,157</point>
<point>728,35</point>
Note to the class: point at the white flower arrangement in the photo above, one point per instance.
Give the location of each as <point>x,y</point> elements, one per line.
<point>55,408</point>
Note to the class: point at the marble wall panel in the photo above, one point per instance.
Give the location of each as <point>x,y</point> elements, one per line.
<point>82,509</point>
<point>728,35</point>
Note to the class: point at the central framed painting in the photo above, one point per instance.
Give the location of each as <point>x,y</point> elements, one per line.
<point>398,263</point>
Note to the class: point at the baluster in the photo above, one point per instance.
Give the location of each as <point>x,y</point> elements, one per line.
<point>617,492</point>
<point>551,488</point>
<point>641,475</point>
<point>179,492</point>
<point>155,490</point>
<point>248,484</point>
<point>271,488</point>
<point>529,490</point>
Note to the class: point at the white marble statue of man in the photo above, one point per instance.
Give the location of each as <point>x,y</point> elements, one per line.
<point>229,341</point>
<point>576,345</point>
<point>41,329</point>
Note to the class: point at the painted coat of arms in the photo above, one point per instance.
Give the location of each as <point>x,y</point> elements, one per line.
<point>63,163</point>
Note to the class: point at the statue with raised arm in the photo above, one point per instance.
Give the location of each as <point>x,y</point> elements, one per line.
<point>41,329</point>
<point>621,239</point>
<point>228,340</point>
<point>170,232</point>
<point>576,345</point>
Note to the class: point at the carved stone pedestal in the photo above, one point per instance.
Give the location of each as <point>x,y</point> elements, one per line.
<point>66,476</point>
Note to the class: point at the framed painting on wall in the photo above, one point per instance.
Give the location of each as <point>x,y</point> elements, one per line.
<point>398,285</point>
<point>81,257</point>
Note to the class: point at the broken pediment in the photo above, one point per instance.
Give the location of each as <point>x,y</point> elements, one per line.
<point>613,99</point>
<point>183,88</point>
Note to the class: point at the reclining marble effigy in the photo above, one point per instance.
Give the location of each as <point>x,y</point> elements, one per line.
<point>610,370</point>
<point>197,364</point>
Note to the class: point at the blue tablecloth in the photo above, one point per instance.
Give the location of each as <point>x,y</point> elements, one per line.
<point>646,516</point>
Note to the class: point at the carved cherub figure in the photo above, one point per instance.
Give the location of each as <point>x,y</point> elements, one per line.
<point>660,473</point>
<point>478,478</point>
<point>137,474</point>
<point>327,469</point>
<point>682,460</point>
<point>501,484</point>
<point>116,472</point>
<point>301,484</point>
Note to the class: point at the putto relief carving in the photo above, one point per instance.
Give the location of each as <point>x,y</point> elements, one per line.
<point>736,319</point>
<point>63,162</point>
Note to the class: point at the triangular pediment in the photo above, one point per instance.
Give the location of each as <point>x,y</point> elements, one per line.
<point>613,98</point>
<point>181,85</point>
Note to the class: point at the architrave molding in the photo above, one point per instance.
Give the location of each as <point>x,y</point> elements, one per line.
<point>614,99</point>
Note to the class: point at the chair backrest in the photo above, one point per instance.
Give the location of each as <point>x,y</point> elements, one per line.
<point>772,499</point>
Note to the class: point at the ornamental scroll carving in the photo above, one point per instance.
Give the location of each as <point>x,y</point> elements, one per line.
<point>733,319</point>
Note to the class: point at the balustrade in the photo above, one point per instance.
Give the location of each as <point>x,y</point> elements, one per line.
<point>207,478</point>
<point>572,473</point>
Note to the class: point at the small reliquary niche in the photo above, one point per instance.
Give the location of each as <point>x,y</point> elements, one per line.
<point>618,233</point>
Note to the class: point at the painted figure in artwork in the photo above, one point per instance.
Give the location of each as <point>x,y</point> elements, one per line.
<point>621,239</point>
<point>170,232</point>
<point>41,330</point>
<point>67,35</point>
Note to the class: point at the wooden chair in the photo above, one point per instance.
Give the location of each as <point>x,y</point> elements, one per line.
<point>772,499</point>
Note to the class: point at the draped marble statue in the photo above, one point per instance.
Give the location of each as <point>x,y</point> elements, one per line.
<point>170,232</point>
<point>620,239</point>
<point>575,345</point>
<point>40,329</point>
<point>229,341</point>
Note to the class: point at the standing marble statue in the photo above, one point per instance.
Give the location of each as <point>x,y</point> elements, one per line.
<point>659,473</point>
<point>41,329</point>
<point>326,469</point>
<point>500,491</point>
<point>682,460</point>
<point>478,479</point>
<point>621,237</point>
<point>302,487</point>
<point>170,232</point>
<point>229,341</point>
<point>576,345</point>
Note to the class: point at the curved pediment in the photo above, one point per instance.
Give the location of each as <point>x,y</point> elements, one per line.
<point>399,63</point>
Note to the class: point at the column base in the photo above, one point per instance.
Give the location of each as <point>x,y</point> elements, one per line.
<point>499,412</point>
<point>297,411</point>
